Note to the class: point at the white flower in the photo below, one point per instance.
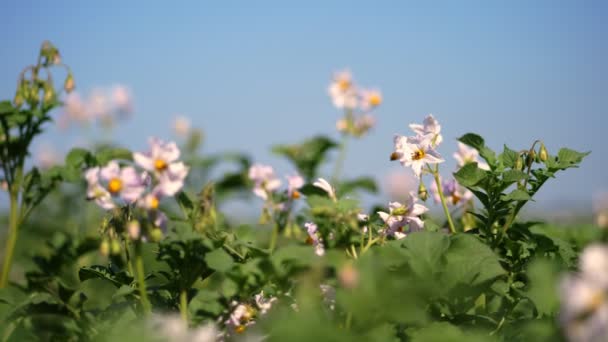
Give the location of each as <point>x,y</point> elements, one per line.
<point>161,160</point>
<point>363,218</point>
<point>265,180</point>
<point>174,329</point>
<point>467,155</point>
<point>329,295</point>
<point>314,239</point>
<point>97,192</point>
<point>323,184</point>
<point>294,183</point>
<point>124,182</point>
<point>342,91</point>
<point>401,215</point>
<point>453,192</point>
<point>121,99</point>
<point>370,98</point>
<point>241,317</point>
<point>264,304</point>
<point>415,152</point>
<point>430,127</point>
<point>584,311</point>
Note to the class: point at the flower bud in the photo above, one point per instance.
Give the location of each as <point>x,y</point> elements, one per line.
<point>33,95</point>
<point>422,192</point>
<point>348,276</point>
<point>543,155</point>
<point>399,211</point>
<point>18,100</point>
<point>156,235</point>
<point>104,247</point>
<point>530,158</point>
<point>519,163</point>
<point>49,94</point>
<point>69,83</point>
<point>134,230</point>
<point>115,247</point>
<point>394,156</point>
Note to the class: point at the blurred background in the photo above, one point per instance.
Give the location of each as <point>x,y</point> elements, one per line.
<point>255,74</point>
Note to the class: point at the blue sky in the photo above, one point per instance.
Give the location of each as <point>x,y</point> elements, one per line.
<point>253,74</point>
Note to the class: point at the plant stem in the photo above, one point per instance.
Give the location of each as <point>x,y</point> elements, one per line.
<point>183,305</point>
<point>13,231</point>
<point>141,279</point>
<point>273,237</point>
<point>443,202</point>
<point>341,159</point>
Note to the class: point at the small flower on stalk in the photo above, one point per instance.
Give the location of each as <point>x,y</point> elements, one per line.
<point>430,126</point>
<point>314,239</point>
<point>401,215</point>
<point>453,192</point>
<point>363,218</point>
<point>323,184</point>
<point>241,317</point>
<point>266,182</point>
<point>342,91</point>
<point>97,192</point>
<point>294,183</point>
<point>415,152</point>
<point>124,182</point>
<point>181,126</point>
<point>371,98</point>
<point>466,154</point>
<point>161,160</point>
<point>264,304</point>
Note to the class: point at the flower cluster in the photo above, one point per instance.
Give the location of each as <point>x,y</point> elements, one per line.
<point>402,215</point>
<point>314,238</point>
<point>356,103</point>
<point>156,174</point>
<point>104,106</point>
<point>243,315</point>
<point>266,183</point>
<point>419,150</point>
<point>584,312</point>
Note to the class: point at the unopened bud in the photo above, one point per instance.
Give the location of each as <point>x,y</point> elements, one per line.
<point>115,247</point>
<point>69,83</point>
<point>49,94</point>
<point>34,96</point>
<point>134,230</point>
<point>394,156</point>
<point>156,235</point>
<point>519,163</point>
<point>422,192</point>
<point>530,158</point>
<point>104,248</point>
<point>18,100</point>
<point>543,155</point>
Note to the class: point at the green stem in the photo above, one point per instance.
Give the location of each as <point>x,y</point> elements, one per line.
<point>349,320</point>
<point>141,279</point>
<point>443,202</point>
<point>183,305</point>
<point>13,232</point>
<point>340,160</point>
<point>273,237</point>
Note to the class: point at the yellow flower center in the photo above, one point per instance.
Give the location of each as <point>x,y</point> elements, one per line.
<point>295,194</point>
<point>418,155</point>
<point>153,202</point>
<point>115,185</point>
<point>596,301</point>
<point>160,165</point>
<point>455,199</point>
<point>375,99</point>
<point>239,329</point>
<point>344,84</point>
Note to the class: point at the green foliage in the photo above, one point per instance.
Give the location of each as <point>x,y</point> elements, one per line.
<point>308,155</point>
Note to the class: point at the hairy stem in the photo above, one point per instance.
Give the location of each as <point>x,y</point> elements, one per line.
<point>13,231</point>
<point>141,279</point>
<point>443,202</point>
<point>183,305</point>
<point>273,237</point>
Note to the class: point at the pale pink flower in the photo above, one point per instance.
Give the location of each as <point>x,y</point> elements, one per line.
<point>430,127</point>
<point>453,192</point>
<point>265,180</point>
<point>415,152</point>
<point>181,126</point>
<point>370,98</point>
<point>342,90</point>
<point>162,161</point>
<point>124,182</point>
<point>294,183</point>
<point>122,99</point>
<point>466,154</point>
<point>323,184</point>
<point>401,215</point>
<point>314,239</point>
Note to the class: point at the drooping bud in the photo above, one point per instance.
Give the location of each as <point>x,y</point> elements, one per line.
<point>422,192</point>
<point>115,247</point>
<point>50,53</point>
<point>134,230</point>
<point>543,155</point>
<point>519,163</point>
<point>69,83</point>
<point>348,276</point>
<point>530,158</point>
<point>33,95</point>
<point>104,247</point>
<point>394,156</point>
<point>18,100</point>
<point>49,94</point>
<point>156,235</point>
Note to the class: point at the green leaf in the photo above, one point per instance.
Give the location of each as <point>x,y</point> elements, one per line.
<point>363,183</point>
<point>473,140</point>
<point>108,154</point>
<point>76,157</point>
<point>508,157</point>
<point>425,251</point>
<point>567,158</point>
<point>543,275</point>
<point>470,262</point>
<point>517,195</point>
<point>308,155</point>
<point>470,175</point>
<point>6,107</point>
<point>512,176</point>
<point>219,260</point>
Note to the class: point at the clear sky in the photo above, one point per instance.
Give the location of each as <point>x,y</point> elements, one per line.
<point>255,73</point>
